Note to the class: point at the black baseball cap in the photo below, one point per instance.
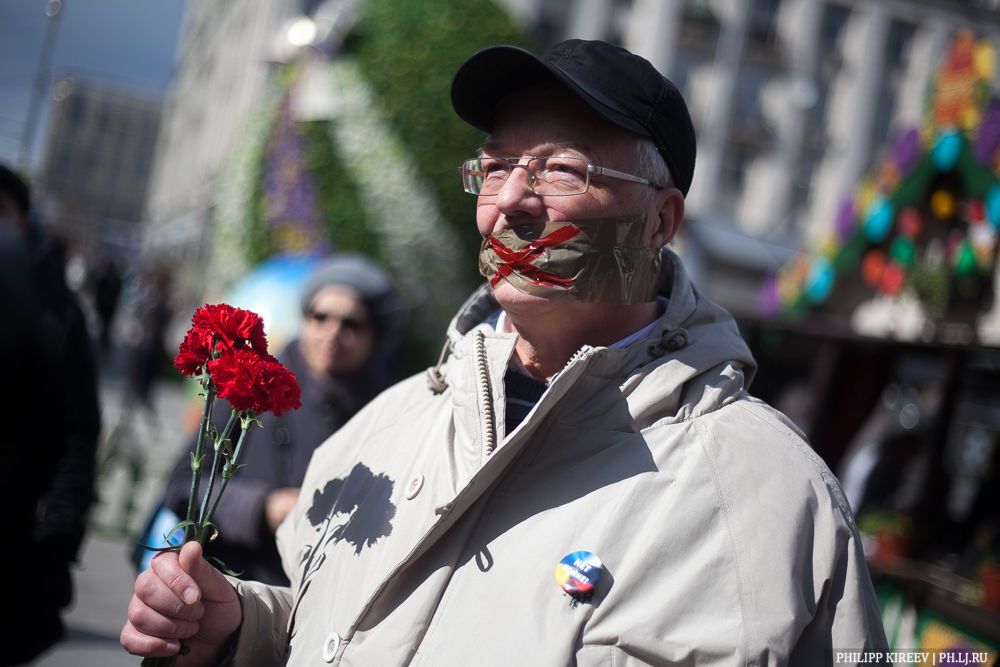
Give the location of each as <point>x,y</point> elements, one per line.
<point>622,87</point>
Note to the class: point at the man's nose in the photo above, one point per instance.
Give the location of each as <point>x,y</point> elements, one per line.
<point>516,193</point>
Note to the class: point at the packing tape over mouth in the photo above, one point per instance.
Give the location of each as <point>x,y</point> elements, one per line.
<point>595,260</point>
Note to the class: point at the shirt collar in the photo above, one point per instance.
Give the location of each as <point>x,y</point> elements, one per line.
<point>504,325</point>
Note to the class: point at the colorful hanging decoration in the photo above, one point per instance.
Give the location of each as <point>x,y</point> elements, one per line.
<point>873,267</point>
<point>946,150</point>
<point>879,221</point>
<point>926,217</point>
<point>290,213</point>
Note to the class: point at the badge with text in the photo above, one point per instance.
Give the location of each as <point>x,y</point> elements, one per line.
<point>578,573</point>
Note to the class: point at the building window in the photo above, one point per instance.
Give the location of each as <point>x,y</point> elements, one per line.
<point>897,46</point>
<point>700,24</point>
<point>749,126</point>
<point>737,160</point>
<point>831,28</point>
<point>761,25</point>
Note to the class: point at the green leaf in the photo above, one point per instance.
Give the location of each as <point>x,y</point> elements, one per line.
<point>182,524</point>
<point>224,568</point>
<point>214,531</point>
<point>248,419</point>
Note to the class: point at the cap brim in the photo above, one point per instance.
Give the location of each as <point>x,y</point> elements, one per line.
<point>492,75</point>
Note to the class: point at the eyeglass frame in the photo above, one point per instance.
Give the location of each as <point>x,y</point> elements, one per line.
<point>592,168</point>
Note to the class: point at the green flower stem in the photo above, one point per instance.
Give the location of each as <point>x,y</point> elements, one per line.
<point>196,461</point>
<point>230,466</point>
<point>219,443</point>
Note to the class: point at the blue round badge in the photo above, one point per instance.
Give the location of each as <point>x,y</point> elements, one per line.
<point>578,573</point>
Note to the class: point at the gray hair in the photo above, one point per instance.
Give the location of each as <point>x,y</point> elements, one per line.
<point>650,164</point>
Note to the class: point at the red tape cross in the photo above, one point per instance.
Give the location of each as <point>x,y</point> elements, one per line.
<point>520,260</point>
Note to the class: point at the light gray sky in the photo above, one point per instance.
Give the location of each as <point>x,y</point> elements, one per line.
<point>127,44</point>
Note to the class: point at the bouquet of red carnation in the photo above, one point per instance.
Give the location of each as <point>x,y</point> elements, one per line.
<point>226,352</point>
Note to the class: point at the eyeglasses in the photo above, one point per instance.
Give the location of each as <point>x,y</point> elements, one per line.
<point>352,325</point>
<point>548,176</point>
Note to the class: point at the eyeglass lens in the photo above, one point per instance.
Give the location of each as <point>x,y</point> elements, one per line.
<point>546,175</point>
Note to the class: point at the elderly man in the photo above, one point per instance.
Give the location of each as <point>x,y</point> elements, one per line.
<point>584,479</point>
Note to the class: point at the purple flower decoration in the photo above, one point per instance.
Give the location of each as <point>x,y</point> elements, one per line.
<point>906,152</point>
<point>768,301</point>
<point>988,139</point>
<point>290,195</point>
<point>844,222</point>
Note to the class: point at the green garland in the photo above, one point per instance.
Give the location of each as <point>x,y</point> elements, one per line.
<point>237,240</point>
<point>339,205</point>
<point>404,53</point>
<point>408,52</point>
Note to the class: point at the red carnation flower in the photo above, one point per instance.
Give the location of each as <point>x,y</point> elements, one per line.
<point>277,389</point>
<point>234,375</point>
<point>194,352</point>
<point>234,327</point>
<point>251,381</point>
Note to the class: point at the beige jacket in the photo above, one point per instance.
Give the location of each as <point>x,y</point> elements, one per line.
<point>426,536</point>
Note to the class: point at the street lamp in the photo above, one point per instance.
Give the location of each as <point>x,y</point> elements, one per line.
<point>301,32</point>
<point>323,31</point>
<point>53,12</point>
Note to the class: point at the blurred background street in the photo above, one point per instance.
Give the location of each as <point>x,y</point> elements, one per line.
<point>845,208</point>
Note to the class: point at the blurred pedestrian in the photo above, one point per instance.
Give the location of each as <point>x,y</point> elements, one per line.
<point>51,424</point>
<point>107,293</point>
<point>350,319</point>
<point>146,354</point>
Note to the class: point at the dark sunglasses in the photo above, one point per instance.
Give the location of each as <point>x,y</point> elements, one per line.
<point>352,324</point>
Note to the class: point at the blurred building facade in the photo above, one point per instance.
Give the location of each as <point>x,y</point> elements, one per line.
<point>222,73</point>
<point>791,99</point>
<point>97,161</point>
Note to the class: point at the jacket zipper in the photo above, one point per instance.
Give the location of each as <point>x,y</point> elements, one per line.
<point>489,429</point>
<point>485,394</point>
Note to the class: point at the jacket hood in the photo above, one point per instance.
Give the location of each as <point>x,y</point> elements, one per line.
<point>694,354</point>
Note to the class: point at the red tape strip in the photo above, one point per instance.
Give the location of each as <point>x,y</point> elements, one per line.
<point>520,260</point>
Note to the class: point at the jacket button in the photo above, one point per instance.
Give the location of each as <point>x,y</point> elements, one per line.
<point>330,646</point>
<point>413,488</point>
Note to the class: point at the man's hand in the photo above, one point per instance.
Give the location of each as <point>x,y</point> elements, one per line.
<point>180,597</point>
<point>278,504</point>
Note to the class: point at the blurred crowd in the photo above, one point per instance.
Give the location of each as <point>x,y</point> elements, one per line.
<point>91,328</point>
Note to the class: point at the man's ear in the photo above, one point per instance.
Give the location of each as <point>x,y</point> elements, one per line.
<point>668,218</point>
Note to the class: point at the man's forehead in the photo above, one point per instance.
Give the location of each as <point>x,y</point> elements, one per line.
<point>496,146</point>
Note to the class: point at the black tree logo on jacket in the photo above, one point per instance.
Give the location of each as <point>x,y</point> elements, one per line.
<point>354,509</point>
